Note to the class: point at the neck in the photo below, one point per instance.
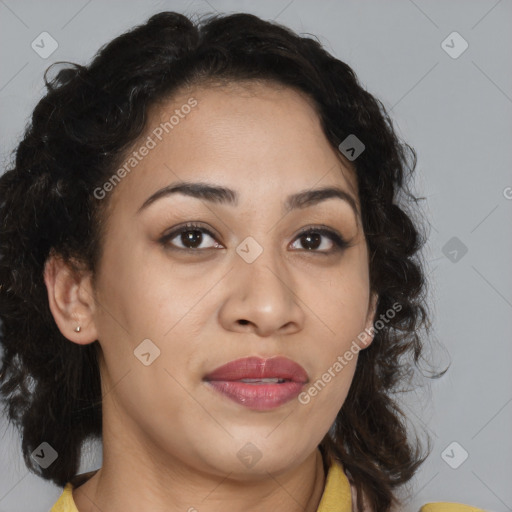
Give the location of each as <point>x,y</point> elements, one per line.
<point>135,478</point>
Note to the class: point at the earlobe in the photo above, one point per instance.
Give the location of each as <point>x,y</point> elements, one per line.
<point>70,300</point>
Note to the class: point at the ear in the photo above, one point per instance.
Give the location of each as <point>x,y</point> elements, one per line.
<point>370,317</point>
<point>71,300</point>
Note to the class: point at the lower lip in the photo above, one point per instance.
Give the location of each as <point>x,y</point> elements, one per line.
<point>258,396</point>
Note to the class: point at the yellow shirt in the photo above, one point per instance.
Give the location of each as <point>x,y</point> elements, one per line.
<point>335,498</point>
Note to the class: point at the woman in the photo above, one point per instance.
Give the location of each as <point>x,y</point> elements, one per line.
<point>205,264</point>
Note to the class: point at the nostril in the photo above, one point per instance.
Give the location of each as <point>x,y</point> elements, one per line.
<point>243,322</point>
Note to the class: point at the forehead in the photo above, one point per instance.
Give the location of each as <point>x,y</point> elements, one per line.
<point>247,136</point>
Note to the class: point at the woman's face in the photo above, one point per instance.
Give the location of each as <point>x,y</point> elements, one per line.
<point>247,286</point>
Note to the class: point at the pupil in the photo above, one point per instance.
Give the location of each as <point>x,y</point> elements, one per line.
<point>192,238</point>
<point>316,237</point>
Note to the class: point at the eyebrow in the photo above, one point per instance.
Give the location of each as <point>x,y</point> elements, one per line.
<point>222,195</point>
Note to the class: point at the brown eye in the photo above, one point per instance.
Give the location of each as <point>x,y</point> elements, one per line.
<point>193,237</point>
<point>189,237</point>
<point>311,240</point>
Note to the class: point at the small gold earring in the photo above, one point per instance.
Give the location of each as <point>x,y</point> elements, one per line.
<point>78,328</point>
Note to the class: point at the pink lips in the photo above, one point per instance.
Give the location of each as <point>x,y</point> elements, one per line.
<point>259,394</point>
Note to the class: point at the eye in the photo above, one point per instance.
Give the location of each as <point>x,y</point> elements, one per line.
<point>311,238</point>
<point>191,236</point>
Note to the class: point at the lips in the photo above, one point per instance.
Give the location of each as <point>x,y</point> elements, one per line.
<point>258,384</point>
<point>256,368</point>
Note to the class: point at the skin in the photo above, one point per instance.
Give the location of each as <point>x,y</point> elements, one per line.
<point>169,441</point>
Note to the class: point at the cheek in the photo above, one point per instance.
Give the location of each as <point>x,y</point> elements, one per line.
<point>340,304</point>
<point>147,300</point>
<point>339,301</point>
<point>325,395</point>
<point>141,292</point>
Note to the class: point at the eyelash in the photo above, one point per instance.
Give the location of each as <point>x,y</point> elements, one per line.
<point>339,242</point>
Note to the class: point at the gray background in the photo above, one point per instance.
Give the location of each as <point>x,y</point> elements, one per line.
<point>456,112</point>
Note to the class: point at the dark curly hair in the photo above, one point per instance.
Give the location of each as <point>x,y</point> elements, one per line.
<point>80,132</point>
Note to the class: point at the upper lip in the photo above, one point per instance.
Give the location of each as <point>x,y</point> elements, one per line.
<point>258,368</point>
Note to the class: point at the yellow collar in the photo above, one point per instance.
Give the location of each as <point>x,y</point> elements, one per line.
<point>336,496</point>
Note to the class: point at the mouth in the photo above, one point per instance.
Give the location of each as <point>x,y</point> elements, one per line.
<point>259,384</point>
<point>273,380</point>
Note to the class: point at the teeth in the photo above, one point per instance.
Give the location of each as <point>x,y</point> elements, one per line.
<point>274,380</point>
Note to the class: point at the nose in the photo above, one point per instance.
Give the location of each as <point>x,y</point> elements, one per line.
<point>262,297</point>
